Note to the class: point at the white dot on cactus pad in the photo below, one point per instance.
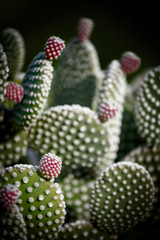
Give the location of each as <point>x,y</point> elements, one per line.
<point>50,166</point>
<point>9,195</point>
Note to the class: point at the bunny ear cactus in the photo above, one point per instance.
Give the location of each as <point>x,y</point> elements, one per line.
<point>40,201</point>
<point>78,74</point>
<point>81,229</point>
<point>121,197</point>
<point>14,48</point>
<point>74,133</point>
<point>149,157</point>
<point>147,107</point>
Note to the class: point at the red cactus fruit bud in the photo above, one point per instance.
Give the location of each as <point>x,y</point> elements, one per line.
<point>14,92</point>
<point>50,166</point>
<point>130,62</point>
<point>85,27</point>
<point>53,48</point>
<point>107,111</point>
<point>9,195</point>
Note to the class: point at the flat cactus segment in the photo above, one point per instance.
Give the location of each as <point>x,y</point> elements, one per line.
<point>41,202</point>
<point>4,73</point>
<point>148,106</point>
<point>121,197</point>
<point>12,149</point>
<point>36,84</point>
<point>12,225</point>
<point>72,132</point>
<point>14,48</point>
<point>78,75</point>
<point>77,195</point>
<point>81,229</point>
<point>149,157</point>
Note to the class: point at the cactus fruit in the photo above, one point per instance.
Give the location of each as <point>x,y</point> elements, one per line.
<point>121,197</point>
<point>130,62</point>
<point>149,157</point>
<point>9,195</point>
<point>147,107</point>
<point>14,92</point>
<point>54,47</point>
<point>40,202</point>
<point>78,74</point>
<point>85,27</point>
<point>14,48</point>
<point>73,132</point>
<point>107,111</point>
<point>81,229</point>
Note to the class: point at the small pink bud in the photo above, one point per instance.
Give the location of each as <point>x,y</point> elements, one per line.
<point>53,48</point>
<point>9,195</point>
<point>50,166</point>
<point>84,29</point>
<point>107,111</point>
<point>14,92</point>
<point>130,62</point>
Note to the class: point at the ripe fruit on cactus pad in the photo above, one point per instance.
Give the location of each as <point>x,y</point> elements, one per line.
<point>50,166</point>
<point>14,92</point>
<point>54,47</point>
<point>9,195</point>
<point>107,110</point>
<point>84,28</point>
<point>130,62</point>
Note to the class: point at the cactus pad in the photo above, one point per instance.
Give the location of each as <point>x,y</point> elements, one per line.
<point>122,196</point>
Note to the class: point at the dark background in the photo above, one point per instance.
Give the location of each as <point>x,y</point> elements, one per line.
<point>118,27</point>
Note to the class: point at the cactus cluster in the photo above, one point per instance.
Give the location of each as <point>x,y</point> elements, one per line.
<point>79,149</point>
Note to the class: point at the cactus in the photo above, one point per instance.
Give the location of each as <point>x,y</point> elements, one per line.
<point>40,201</point>
<point>121,197</point>
<point>147,107</point>
<point>28,95</point>
<point>78,75</point>
<point>81,230</point>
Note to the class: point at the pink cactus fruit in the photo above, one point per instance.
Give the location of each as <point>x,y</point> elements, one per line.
<point>85,27</point>
<point>9,195</point>
<point>14,92</point>
<point>130,62</point>
<point>107,110</point>
<point>50,166</point>
<point>53,48</point>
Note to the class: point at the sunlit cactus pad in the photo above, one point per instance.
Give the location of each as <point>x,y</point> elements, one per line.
<point>148,107</point>
<point>72,132</point>
<point>82,230</point>
<point>41,202</point>
<point>122,196</point>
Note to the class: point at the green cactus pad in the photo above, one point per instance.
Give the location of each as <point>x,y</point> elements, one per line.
<point>36,84</point>
<point>149,157</point>
<point>147,107</point>
<point>122,196</point>
<point>72,132</point>
<point>78,75</point>
<point>76,193</point>
<point>3,73</point>
<point>81,230</point>
<point>13,149</point>
<point>12,225</point>
<point>14,48</point>
<point>41,202</point>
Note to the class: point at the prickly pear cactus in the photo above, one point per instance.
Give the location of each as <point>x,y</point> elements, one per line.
<point>40,201</point>
<point>14,48</point>
<point>147,107</point>
<point>81,229</point>
<point>121,197</point>
<point>149,157</point>
<point>78,74</point>
<point>73,132</point>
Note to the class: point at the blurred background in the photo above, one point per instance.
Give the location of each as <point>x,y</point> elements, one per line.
<point>119,27</point>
